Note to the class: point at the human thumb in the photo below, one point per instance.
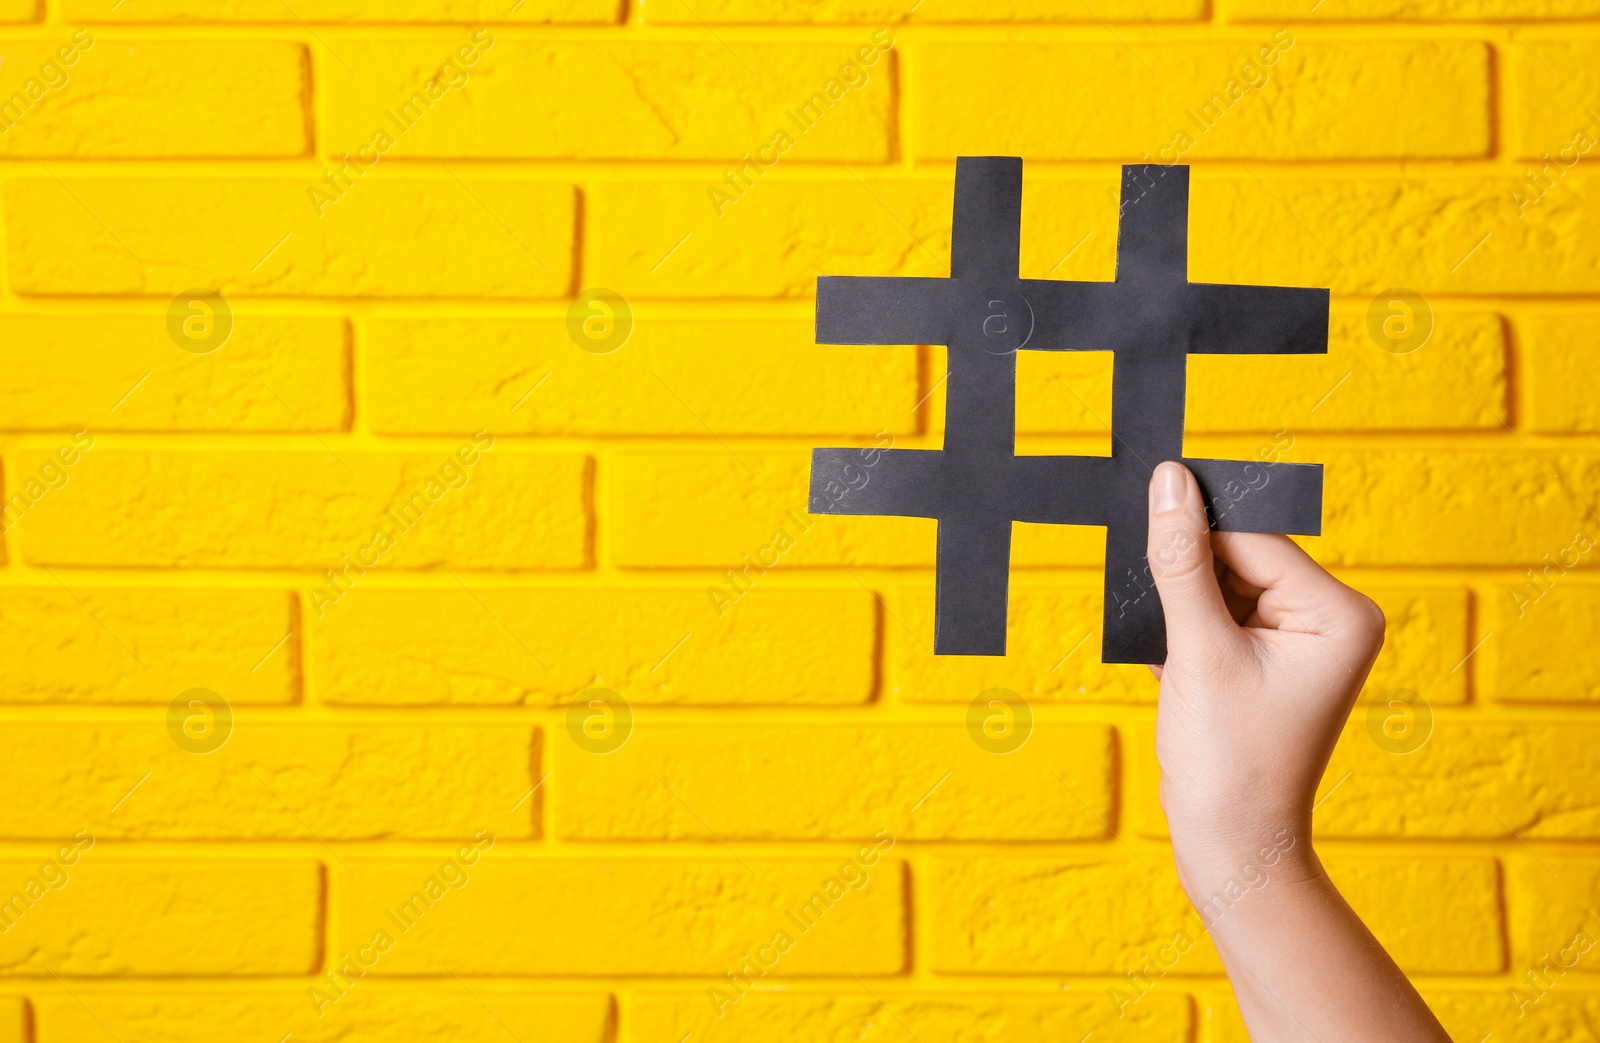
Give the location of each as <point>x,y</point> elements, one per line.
<point>1180,562</point>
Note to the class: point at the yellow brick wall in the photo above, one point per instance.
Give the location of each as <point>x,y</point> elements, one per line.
<point>410,832</point>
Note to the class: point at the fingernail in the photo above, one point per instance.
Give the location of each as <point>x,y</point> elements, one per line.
<point>1167,488</point>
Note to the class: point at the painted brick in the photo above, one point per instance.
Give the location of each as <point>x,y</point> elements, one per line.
<point>1220,1020</point>
<point>1424,643</point>
<point>785,782</point>
<point>994,915</point>
<point>532,99</point>
<point>259,237</point>
<point>129,99</point>
<point>489,647</point>
<point>1197,101</point>
<point>1554,84</point>
<point>1535,634</point>
<point>1465,1015</point>
<point>1411,10</point>
<point>1434,235</point>
<point>880,12</point>
<point>307,510</point>
<point>147,645</point>
<point>656,916</point>
<point>1357,386</point>
<point>471,12</point>
<point>271,781</point>
<point>1448,506</point>
<point>1565,1013</point>
<point>674,376</point>
<point>369,1010</point>
<point>1433,915</point>
<point>111,917</point>
<point>713,508</point>
<point>845,1017</point>
<point>1554,920</point>
<point>274,373</point>
<point>428,298</point>
<point>1556,368</point>
<point>1470,779</point>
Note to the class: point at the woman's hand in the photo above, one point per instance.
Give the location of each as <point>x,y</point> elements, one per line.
<point>1266,654</point>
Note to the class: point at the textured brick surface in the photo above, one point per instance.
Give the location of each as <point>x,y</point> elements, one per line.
<point>509,916</point>
<point>1565,1012</point>
<point>878,12</point>
<point>146,645</point>
<point>1390,507</point>
<point>1462,235</point>
<point>834,783</point>
<point>1419,10</point>
<point>1557,369</point>
<point>371,1010</point>
<point>1435,916</point>
<point>474,12</point>
<point>203,918</point>
<point>510,647</point>
<point>142,94</point>
<point>711,508</point>
<point>1204,103</point>
<point>834,1018</point>
<point>998,915</point>
<point>1536,630</point>
<point>409,211</point>
<point>545,100</point>
<point>259,237</point>
<point>1555,83</point>
<point>296,782</point>
<point>748,377</point>
<point>275,373</point>
<point>1553,919</point>
<point>311,511</point>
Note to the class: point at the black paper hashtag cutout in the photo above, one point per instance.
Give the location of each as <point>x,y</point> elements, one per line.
<point>1151,318</point>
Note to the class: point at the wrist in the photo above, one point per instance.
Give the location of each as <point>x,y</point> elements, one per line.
<point>1219,876</point>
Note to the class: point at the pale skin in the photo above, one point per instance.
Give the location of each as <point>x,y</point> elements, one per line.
<point>1266,653</point>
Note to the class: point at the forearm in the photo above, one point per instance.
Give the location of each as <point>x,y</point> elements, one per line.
<point>1303,965</point>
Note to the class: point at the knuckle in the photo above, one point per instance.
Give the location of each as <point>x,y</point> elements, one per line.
<point>1377,624</point>
<point>1367,620</point>
<point>1370,615</point>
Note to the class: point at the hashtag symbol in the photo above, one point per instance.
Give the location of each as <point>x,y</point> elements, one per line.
<point>1152,318</point>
